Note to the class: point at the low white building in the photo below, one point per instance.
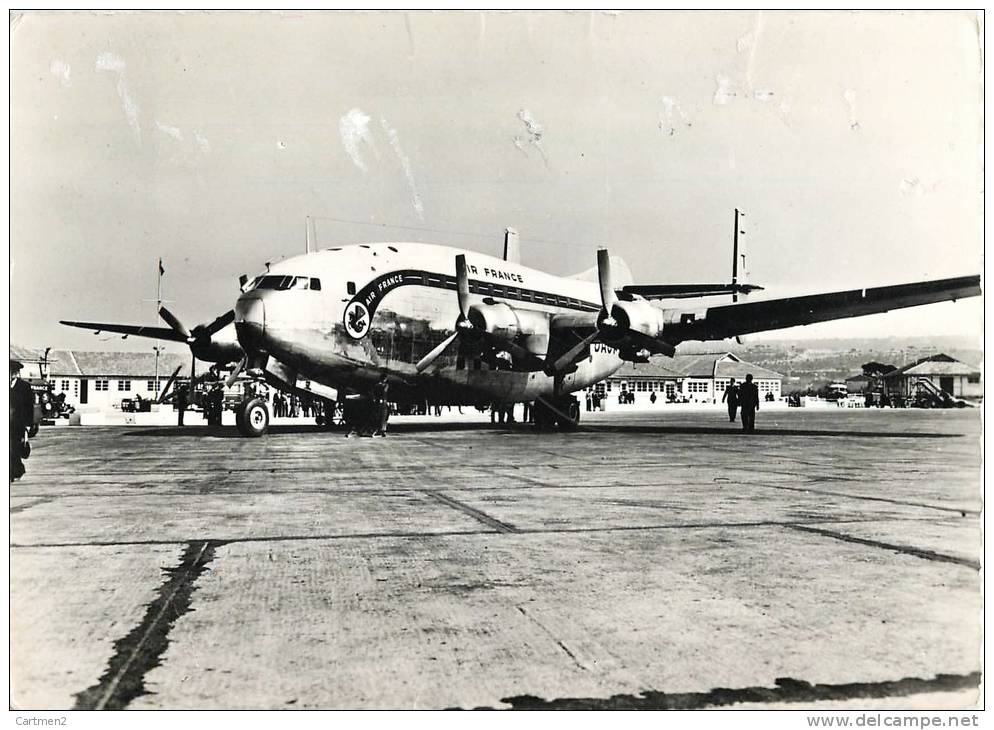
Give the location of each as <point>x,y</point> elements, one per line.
<point>101,380</point>
<point>685,378</point>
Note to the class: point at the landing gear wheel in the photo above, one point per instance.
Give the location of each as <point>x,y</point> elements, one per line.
<point>574,410</point>
<point>252,417</point>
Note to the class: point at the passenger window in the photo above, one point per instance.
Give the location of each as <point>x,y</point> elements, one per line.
<point>315,284</point>
<point>350,287</point>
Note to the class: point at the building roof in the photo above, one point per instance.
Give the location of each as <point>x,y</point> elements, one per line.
<point>59,361</point>
<point>720,365</point>
<point>66,363</point>
<point>940,364</point>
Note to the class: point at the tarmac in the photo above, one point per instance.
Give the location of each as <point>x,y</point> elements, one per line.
<point>650,560</point>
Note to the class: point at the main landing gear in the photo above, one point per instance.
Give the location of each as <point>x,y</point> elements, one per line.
<point>252,417</point>
<point>562,413</point>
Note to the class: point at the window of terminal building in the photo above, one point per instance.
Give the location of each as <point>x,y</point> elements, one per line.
<point>152,386</point>
<point>973,378</point>
<point>101,384</point>
<point>64,385</point>
<point>124,385</point>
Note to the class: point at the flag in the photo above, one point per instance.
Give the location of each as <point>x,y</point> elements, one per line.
<point>161,269</point>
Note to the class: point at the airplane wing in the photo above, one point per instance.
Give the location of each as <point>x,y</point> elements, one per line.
<point>746,317</point>
<point>159,333</point>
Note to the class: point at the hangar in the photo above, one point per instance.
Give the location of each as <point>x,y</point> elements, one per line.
<point>700,378</point>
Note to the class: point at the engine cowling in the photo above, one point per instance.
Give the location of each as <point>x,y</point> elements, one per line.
<point>638,316</point>
<point>504,322</point>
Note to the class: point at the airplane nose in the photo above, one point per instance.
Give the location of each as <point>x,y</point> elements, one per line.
<point>250,321</point>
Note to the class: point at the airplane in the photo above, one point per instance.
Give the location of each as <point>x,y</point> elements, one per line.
<point>454,327</point>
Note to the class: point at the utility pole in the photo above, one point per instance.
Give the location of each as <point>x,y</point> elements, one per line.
<point>157,349</point>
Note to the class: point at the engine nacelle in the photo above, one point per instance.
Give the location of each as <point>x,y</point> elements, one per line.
<point>639,316</point>
<point>503,321</point>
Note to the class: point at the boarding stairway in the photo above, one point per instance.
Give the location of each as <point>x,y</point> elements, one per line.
<point>928,395</point>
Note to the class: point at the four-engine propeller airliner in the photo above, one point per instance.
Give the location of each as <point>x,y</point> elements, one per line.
<point>448,326</point>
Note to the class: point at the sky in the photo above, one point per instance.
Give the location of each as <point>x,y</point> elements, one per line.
<point>851,141</point>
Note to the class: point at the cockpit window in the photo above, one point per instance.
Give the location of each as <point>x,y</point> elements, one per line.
<point>284,283</point>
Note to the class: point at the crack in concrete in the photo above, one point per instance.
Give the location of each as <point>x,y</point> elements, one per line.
<point>29,505</point>
<point>471,511</point>
<point>462,533</point>
<point>787,690</point>
<point>565,649</point>
<point>904,549</point>
<point>142,648</point>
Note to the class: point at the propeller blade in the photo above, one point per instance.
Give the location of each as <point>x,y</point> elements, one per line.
<point>173,322</point>
<point>236,372</point>
<point>462,286</point>
<point>436,351</point>
<point>608,297</point>
<point>165,391</point>
<point>568,357</point>
<point>220,323</point>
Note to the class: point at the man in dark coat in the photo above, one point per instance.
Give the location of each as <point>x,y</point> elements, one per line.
<point>22,418</point>
<point>381,406</point>
<point>749,403</point>
<point>731,397</point>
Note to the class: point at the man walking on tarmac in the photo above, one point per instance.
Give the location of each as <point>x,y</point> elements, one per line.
<point>731,397</point>
<point>749,403</point>
<point>22,418</point>
<point>381,408</point>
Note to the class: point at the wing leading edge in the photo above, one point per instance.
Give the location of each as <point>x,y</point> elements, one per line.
<point>158,333</point>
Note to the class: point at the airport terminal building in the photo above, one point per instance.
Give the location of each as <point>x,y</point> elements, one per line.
<point>101,380</point>
<point>686,378</point>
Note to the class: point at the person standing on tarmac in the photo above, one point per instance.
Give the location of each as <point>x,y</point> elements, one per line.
<point>182,400</point>
<point>381,407</point>
<point>22,418</point>
<point>731,397</point>
<point>749,403</point>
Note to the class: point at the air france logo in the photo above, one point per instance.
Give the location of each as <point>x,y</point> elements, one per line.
<point>356,320</point>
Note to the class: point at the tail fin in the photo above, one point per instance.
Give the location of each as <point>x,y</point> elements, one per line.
<point>621,275</point>
<point>512,251</point>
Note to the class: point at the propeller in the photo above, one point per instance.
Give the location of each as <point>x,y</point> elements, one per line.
<point>165,390</point>
<point>463,326</point>
<point>606,320</point>
<point>202,333</point>
<point>608,297</point>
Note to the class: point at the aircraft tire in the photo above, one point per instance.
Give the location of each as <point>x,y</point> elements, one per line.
<point>252,417</point>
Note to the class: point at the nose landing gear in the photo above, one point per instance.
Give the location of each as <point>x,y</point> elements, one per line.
<point>252,417</point>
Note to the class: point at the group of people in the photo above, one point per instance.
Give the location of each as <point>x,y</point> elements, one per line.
<point>594,401</point>
<point>502,413</point>
<point>369,417</point>
<point>290,406</point>
<point>743,397</point>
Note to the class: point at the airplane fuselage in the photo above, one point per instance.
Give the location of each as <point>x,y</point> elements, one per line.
<point>342,317</point>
